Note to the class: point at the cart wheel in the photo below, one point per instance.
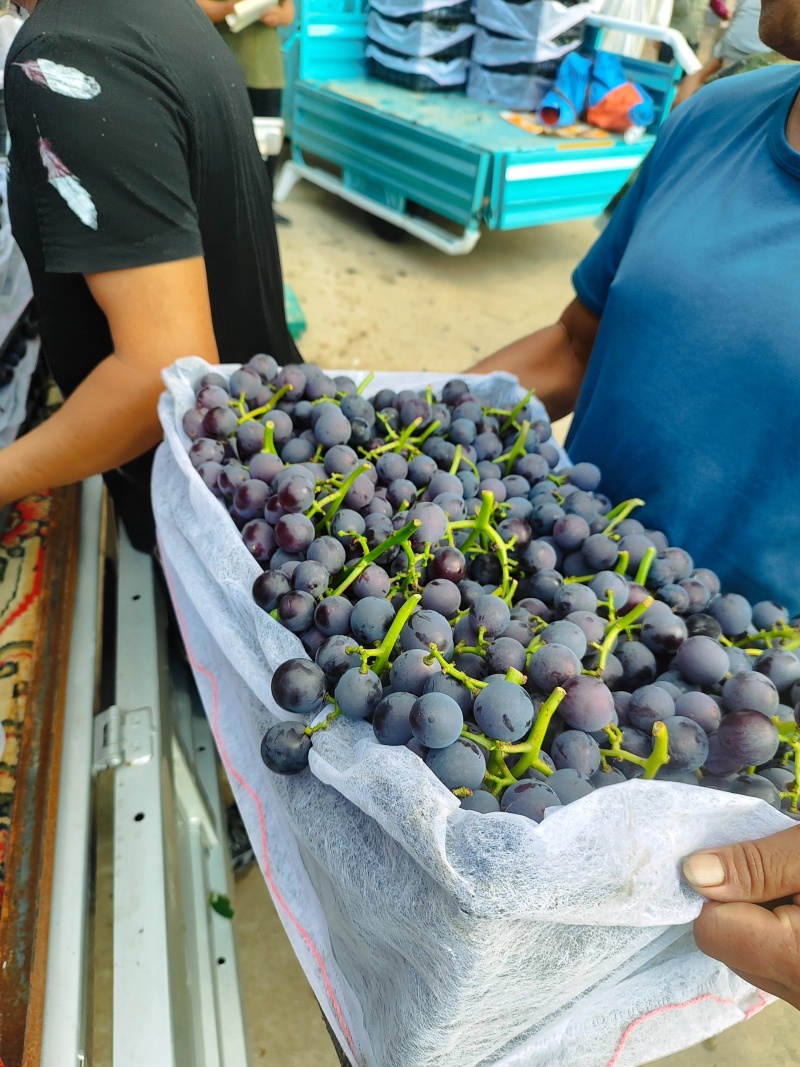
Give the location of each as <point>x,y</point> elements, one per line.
<point>387,231</point>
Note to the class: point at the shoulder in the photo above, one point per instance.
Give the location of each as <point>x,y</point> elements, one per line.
<point>764,87</point>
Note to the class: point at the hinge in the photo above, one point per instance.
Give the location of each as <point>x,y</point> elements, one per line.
<point>122,737</point>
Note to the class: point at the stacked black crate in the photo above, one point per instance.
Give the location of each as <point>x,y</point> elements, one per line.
<point>423,45</point>
<point>518,46</point>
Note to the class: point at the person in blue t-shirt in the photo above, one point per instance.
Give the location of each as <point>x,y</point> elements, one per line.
<point>679,357</point>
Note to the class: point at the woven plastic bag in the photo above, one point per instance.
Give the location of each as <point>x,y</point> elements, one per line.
<point>435,937</point>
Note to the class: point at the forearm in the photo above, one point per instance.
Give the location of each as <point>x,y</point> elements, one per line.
<point>109,420</point>
<point>552,360</point>
<point>216,9</point>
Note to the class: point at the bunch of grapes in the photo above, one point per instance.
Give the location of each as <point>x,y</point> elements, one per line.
<point>526,639</point>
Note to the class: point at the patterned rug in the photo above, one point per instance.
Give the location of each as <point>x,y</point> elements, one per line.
<point>22,551</point>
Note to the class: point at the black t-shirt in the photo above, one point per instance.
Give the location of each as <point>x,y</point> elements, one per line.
<point>132,144</point>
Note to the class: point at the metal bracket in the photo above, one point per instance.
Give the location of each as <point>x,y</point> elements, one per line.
<point>122,737</point>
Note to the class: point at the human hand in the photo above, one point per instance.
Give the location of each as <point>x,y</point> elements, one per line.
<point>280,15</point>
<point>761,944</point>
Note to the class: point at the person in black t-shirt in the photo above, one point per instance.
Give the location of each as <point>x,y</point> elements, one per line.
<point>143,209</point>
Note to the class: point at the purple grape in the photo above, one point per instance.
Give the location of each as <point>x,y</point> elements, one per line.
<point>258,539</point>
<point>534,801</point>
<point>609,583</point>
<point>588,705</point>
<point>662,631</point>
<point>332,615</point>
<point>312,578</point>
<point>296,611</point>
<point>613,776</point>
<point>703,661</point>
<point>285,748</point>
<point>358,693</point>
<point>503,654</point>
<point>702,625</point>
<point>552,665</point>
<point>373,581</point>
<point>334,658</point>
<point>264,466</point>
<point>327,551</point>
<point>687,744</point>
<point>576,750</point>
<point>460,765</point>
<point>436,720</point>
<point>565,633</point>
<point>768,614</point>
<point>569,785</point>
<point>204,450</point>
<point>490,614</point>
<point>391,721</point>
<point>755,785</point>
<point>732,612</point>
<point>219,423</point>
<point>299,686</point>
<point>747,737</point>
<point>444,683</point>
<point>442,596</point>
<point>268,588</point>
<point>780,666</point>
<point>750,690</point>
<point>480,801</point>
<point>648,705</point>
<point>503,710</point>
<point>701,708</point>
<point>410,671</point>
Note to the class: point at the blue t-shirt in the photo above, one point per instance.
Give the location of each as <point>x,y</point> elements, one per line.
<point>691,399</point>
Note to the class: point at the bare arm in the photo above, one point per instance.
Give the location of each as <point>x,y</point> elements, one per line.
<point>216,9</point>
<point>552,361</point>
<point>156,314</point>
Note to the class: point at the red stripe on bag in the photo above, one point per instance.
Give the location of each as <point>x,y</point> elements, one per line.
<point>762,1003</point>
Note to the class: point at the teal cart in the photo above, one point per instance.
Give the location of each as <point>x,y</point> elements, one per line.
<point>441,166</point>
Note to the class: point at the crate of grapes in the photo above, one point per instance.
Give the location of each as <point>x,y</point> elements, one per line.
<point>474,713</point>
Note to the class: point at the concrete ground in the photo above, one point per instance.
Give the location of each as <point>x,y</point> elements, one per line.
<point>404,306</point>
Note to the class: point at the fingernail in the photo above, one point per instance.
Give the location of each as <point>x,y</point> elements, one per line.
<point>704,870</point>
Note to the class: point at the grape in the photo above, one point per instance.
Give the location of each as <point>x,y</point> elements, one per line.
<point>569,785</point>
<point>720,782</point>
<point>662,631</point>
<point>503,654</point>
<point>312,578</point>
<point>544,584</point>
<point>296,611</point>
<point>768,614</point>
<point>687,744</point>
<point>570,531</point>
<point>210,472</point>
<point>552,665</point>
<point>782,778</point>
<point>360,493</point>
<point>533,801</point>
<point>613,776</point>
<point>503,711</point>
<point>574,597</point>
<point>245,380</point>
<point>327,551</point>
<point>344,524</point>
<point>373,581</point>
<point>299,685</point>
<point>703,661</point>
<point>675,597</point>
<point>738,660</point>
<point>232,475</point>
<point>332,428</point>
<point>567,634</point>
<point>442,596</point>
<point>358,693</point>
<point>259,539</point>
<point>588,704</point>
<point>648,705</point>
<point>480,801</point>
<point>264,466</point>
<point>370,620</point>
<point>701,708</point>
<point>204,450</point>
<point>732,612</point>
<point>747,737</point>
<point>213,396</point>
<point>332,615</point>
<point>600,552</point>
<point>460,765</point>
<point>593,626</point>
<point>708,578</point>
<point>390,720</point>
<point>576,750</point>
<point>698,595</point>
<point>436,720</point>
<point>219,423</point>
<point>420,471</point>
<point>295,377</point>
<point>285,748</point>
<point>444,683</point>
<point>666,774</point>
<point>249,439</point>
<point>636,545</point>
<point>294,532</point>
<point>755,785</point>
<point>490,614</point>
<point>750,690</point>
<point>425,628</point>
<point>608,583</point>
<point>638,664</point>
<point>780,666</point>
<point>192,422</point>
<point>701,625</point>
<point>539,555</point>
<point>410,671</point>
<point>268,588</point>
<point>334,659</point>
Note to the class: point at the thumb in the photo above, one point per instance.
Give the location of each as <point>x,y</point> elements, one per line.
<point>755,871</point>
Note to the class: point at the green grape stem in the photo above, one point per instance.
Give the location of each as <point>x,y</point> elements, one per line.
<point>644,567</point>
<point>400,443</point>
<point>273,400</point>
<point>386,647</point>
<point>269,438</point>
<point>622,562</point>
<point>653,763</point>
<point>479,523</point>
<point>620,513</point>
<point>533,746</point>
<point>517,449</point>
<point>456,460</point>
<point>360,388</point>
<point>617,627</point>
<point>310,730</point>
<point>398,538</point>
<point>472,684</point>
<point>331,504</point>
<point>520,406</point>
